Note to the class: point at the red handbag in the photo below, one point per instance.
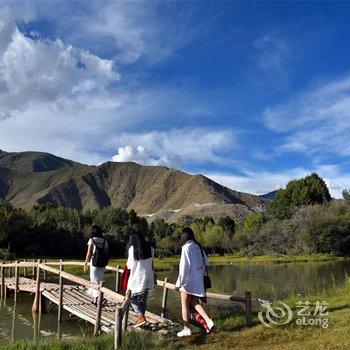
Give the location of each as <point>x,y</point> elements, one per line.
<point>124,279</point>
<point>199,319</point>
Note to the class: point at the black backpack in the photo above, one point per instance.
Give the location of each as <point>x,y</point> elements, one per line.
<point>101,255</point>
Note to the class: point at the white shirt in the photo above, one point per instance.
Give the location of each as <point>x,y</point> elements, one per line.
<point>141,272</point>
<point>192,269</point>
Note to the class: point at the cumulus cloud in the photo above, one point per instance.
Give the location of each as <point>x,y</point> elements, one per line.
<point>38,70</point>
<point>316,121</point>
<point>189,145</point>
<point>142,155</point>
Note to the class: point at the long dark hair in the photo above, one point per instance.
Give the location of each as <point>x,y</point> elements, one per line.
<point>188,235</point>
<point>142,248</point>
<point>96,231</point>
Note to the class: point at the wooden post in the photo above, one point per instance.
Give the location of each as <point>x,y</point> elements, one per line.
<point>99,309</point>
<point>125,319</point>
<point>60,298</point>
<point>36,303</point>
<point>248,308</point>
<point>42,304</point>
<point>165,298</point>
<point>2,278</point>
<point>44,272</point>
<point>16,282</point>
<point>25,270</point>
<point>33,269</point>
<point>118,329</point>
<point>117,279</point>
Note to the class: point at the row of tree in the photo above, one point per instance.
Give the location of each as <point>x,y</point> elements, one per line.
<point>301,219</point>
<point>47,230</point>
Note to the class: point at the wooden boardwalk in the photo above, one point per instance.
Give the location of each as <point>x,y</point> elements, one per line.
<point>77,302</point>
<point>111,315</point>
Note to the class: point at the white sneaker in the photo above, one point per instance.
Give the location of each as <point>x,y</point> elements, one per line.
<point>186,332</point>
<point>210,325</point>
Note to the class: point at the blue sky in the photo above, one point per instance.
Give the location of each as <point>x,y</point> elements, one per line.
<point>251,94</point>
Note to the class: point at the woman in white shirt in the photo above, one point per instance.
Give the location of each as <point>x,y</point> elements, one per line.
<point>190,282</point>
<point>96,242</point>
<point>141,278</point>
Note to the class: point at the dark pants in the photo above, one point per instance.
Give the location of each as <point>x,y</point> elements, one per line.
<point>138,302</point>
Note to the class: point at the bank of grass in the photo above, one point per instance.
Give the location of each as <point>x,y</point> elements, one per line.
<point>230,259</point>
<point>231,333</point>
<point>168,263</point>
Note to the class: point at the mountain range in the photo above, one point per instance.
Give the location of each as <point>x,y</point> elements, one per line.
<point>30,178</point>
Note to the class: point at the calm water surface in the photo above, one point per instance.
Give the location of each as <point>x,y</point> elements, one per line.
<point>264,281</point>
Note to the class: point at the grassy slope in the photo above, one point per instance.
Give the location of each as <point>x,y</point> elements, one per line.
<point>232,334</point>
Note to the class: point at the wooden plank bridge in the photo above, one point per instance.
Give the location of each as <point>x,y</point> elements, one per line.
<point>111,315</point>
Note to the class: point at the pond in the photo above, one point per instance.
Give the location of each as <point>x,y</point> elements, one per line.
<point>269,281</point>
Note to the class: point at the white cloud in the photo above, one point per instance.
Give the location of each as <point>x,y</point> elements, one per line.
<point>316,121</point>
<point>142,155</point>
<point>47,72</point>
<point>261,182</point>
<point>272,52</point>
<point>151,31</point>
<point>56,97</point>
<point>174,147</point>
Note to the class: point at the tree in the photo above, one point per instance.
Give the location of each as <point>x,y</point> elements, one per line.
<point>346,195</point>
<point>12,223</point>
<point>227,223</point>
<point>253,222</point>
<point>213,237</point>
<point>310,190</point>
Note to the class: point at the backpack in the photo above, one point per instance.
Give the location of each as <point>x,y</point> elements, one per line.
<point>101,255</point>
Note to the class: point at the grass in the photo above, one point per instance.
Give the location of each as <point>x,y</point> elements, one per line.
<point>167,263</point>
<point>233,334</point>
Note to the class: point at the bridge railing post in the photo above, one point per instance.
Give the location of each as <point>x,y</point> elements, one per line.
<point>16,282</point>
<point>60,297</point>
<point>165,298</point>
<point>248,308</point>
<point>118,328</point>
<point>44,272</point>
<point>99,309</point>
<point>126,318</point>
<point>25,269</point>
<point>36,303</point>
<point>117,279</point>
<point>33,269</point>
<point>2,279</point>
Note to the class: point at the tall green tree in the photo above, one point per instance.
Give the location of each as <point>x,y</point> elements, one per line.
<point>307,191</point>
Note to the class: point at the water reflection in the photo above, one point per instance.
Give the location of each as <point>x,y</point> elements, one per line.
<point>18,322</point>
